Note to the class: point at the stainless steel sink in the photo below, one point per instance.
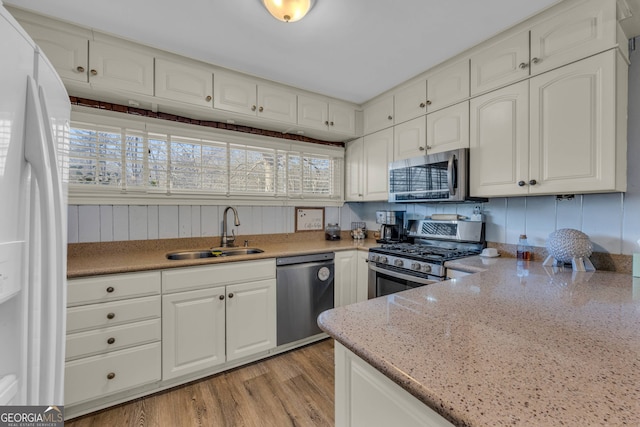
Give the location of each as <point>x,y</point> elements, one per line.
<point>215,252</point>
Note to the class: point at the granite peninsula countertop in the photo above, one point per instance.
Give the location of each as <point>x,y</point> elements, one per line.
<point>515,344</point>
<point>91,259</point>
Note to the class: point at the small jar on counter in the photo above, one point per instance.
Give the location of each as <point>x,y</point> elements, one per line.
<point>332,232</point>
<point>524,249</point>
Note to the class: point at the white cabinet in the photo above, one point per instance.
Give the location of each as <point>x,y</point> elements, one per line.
<point>366,397</point>
<point>441,88</point>
<point>367,166</point>
<point>582,29</point>
<point>317,113</point>
<point>68,52</point>
<point>216,314</point>
<point>445,129</point>
<point>558,133</point>
<point>378,115</point>
<point>243,95</point>
<point>346,276</point>
<point>120,67</point>
<point>362,280</point>
<point>113,335</point>
<point>411,101</point>
<point>184,82</point>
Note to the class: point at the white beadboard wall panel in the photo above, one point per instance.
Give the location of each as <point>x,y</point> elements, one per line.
<point>152,222</point>
<point>184,221</point>
<point>88,223</point>
<point>331,215</point>
<point>516,219</point>
<point>495,211</point>
<point>603,221</point>
<point>569,213</point>
<point>196,230</point>
<point>121,223</point>
<point>168,222</point>
<point>269,219</point>
<point>631,223</point>
<point>106,223</point>
<point>72,224</point>
<point>209,221</point>
<point>138,223</point>
<point>540,220</point>
<point>631,217</point>
<point>245,215</point>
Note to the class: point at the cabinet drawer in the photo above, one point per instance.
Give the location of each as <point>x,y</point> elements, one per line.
<point>112,287</point>
<point>82,344</point>
<point>112,313</point>
<point>102,375</point>
<point>218,275</point>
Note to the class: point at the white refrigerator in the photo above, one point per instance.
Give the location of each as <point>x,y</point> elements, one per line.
<point>34,129</point>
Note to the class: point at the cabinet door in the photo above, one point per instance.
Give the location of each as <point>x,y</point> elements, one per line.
<point>378,153</point>
<point>499,142</point>
<point>342,118</point>
<point>251,318</point>
<point>68,52</point>
<point>378,115</point>
<point>184,82</point>
<point>410,139</point>
<point>585,29</point>
<point>354,168</point>
<point>448,129</point>
<point>573,127</point>
<point>345,278</point>
<point>312,112</point>
<point>448,86</point>
<point>120,68</point>
<point>276,103</point>
<point>411,101</point>
<point>234,93</point>
<point>362,287</point>
<point>193,331</point>
<point>500,64</point>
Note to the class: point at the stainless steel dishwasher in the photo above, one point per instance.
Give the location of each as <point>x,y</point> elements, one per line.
<point>304,290</point>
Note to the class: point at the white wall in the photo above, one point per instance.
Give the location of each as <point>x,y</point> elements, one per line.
<point>612,221</point>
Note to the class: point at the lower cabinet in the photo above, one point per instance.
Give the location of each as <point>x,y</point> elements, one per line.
<point>223,321</point>
<point>366,397</point>
<point>351,277</point>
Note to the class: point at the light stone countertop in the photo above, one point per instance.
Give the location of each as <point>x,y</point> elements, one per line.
<point>515,344</point>
<point>91,259</point>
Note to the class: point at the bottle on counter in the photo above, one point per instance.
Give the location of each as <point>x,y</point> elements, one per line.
<point>524,249</point>
<point>332,232</point>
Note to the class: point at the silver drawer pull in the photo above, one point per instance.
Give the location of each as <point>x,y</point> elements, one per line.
<point>110,289</point>
<point>111,375</point>
<point>111,340</point>
<point>111,315</point>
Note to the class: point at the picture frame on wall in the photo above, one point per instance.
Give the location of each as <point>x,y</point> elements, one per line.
<point>309,219</point>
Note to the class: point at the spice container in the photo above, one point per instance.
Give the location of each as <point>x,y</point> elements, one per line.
<point>524,250</point>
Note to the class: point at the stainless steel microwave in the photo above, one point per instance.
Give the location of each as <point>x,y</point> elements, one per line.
<point>440,177</point>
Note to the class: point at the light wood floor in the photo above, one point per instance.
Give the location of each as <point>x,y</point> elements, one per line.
<point>291,389</point>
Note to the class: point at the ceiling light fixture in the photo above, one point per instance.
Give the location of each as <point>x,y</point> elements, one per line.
<point>288,10</point>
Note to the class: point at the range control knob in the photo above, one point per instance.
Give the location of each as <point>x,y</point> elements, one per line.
<point>416,266</point>
<point>398,263</point>
<point>426,268</point>
<point>373,258</point>
<point>383,260</point>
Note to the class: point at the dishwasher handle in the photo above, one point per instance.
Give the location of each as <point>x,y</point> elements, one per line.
<point>303,259</point>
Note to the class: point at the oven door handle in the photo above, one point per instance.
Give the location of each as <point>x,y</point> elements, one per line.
<point>408,277</point>
<point>451,175</point>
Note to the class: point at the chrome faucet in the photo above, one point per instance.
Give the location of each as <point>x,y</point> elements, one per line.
<point>226,240</point>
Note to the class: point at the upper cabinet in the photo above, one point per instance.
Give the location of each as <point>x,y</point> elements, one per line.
<point>580,30</point>
<point>68,52</point>
<point>318,113</point>
<point>120,67</point>
<point>378,115</point>
<point>440,89</point>
<point>241,94</point>
<point>367,167</point>
<point>184,82</point>
<point>560,132</point>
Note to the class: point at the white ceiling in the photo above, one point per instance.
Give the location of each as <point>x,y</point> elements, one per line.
<point>348,49</point>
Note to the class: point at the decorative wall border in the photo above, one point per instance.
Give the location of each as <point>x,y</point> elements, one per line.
<point>101,105</point>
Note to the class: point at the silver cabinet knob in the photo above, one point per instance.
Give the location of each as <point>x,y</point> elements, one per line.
<point>261,109</point>
<point>208,98</point>
<point>111,375</point>
<point>523,65</point>
<point>111,340</point>
<point>535,60</point>
<point>111,316</point>
<point>422,105</point>
<point>253,108</point>
<point>421,148</point>
<point>533,182</point>
<point>110,289</point>
<point>521,183</point>
<point>80,69</point>
<point>231,295</point>
<point>390,117</point>
<point>93,72</point>
<point>221,297</point>
<point>429,102</point>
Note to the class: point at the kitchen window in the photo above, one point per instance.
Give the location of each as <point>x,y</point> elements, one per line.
<point>120,159</point>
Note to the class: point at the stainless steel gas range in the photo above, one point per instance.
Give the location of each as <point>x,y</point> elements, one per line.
<point>400,266</point>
